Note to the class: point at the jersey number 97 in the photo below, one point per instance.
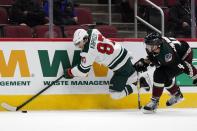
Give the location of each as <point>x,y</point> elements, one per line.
<point>104,48</point>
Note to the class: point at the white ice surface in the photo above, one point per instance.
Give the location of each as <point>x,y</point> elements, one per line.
<point>118,120</point>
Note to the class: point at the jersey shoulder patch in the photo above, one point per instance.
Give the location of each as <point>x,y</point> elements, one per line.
<point>168,57</point>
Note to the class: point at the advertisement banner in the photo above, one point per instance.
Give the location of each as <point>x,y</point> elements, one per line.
<point>29,66</point>
<point>26,67</point>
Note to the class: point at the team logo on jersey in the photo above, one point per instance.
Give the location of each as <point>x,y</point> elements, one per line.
<point>83,59</point>
<point>168,57</point>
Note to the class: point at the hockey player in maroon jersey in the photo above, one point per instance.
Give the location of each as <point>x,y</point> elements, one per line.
<point>96,48</point>
<point>171,58</point>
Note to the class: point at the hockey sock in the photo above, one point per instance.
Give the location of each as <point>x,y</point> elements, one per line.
<point>173,89</point>
<point>157,91</point>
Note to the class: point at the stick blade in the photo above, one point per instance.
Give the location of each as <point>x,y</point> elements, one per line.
<point>8,107</point>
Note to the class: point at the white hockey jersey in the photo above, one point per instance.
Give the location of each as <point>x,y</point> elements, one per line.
<point>101,50</point>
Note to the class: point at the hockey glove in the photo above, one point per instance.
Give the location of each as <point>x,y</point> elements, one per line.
<point>141,65</point>
<point>68,74</point>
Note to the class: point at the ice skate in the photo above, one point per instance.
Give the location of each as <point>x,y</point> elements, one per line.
<point>176,98</point>
<point>151,106</point>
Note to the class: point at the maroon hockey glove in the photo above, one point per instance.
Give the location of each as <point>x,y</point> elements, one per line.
<point>68,74</point>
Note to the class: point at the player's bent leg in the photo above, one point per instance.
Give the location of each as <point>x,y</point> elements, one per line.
<point>121,82</point>
<point>121,94</point>
<point>158,86</point>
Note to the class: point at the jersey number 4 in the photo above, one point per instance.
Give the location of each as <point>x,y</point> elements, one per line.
<point>104,48</point>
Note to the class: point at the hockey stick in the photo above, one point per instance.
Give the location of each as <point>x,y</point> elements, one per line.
<point>138,91</point>
<point>12,108</point>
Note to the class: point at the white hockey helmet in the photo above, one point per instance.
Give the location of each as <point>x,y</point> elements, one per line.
<point>79,35</point>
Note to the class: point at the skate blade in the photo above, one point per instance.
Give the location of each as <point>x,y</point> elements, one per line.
<point>148,112</point>
<point>177,102</point>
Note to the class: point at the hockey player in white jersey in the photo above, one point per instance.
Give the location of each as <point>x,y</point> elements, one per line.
<point>96,48</point>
